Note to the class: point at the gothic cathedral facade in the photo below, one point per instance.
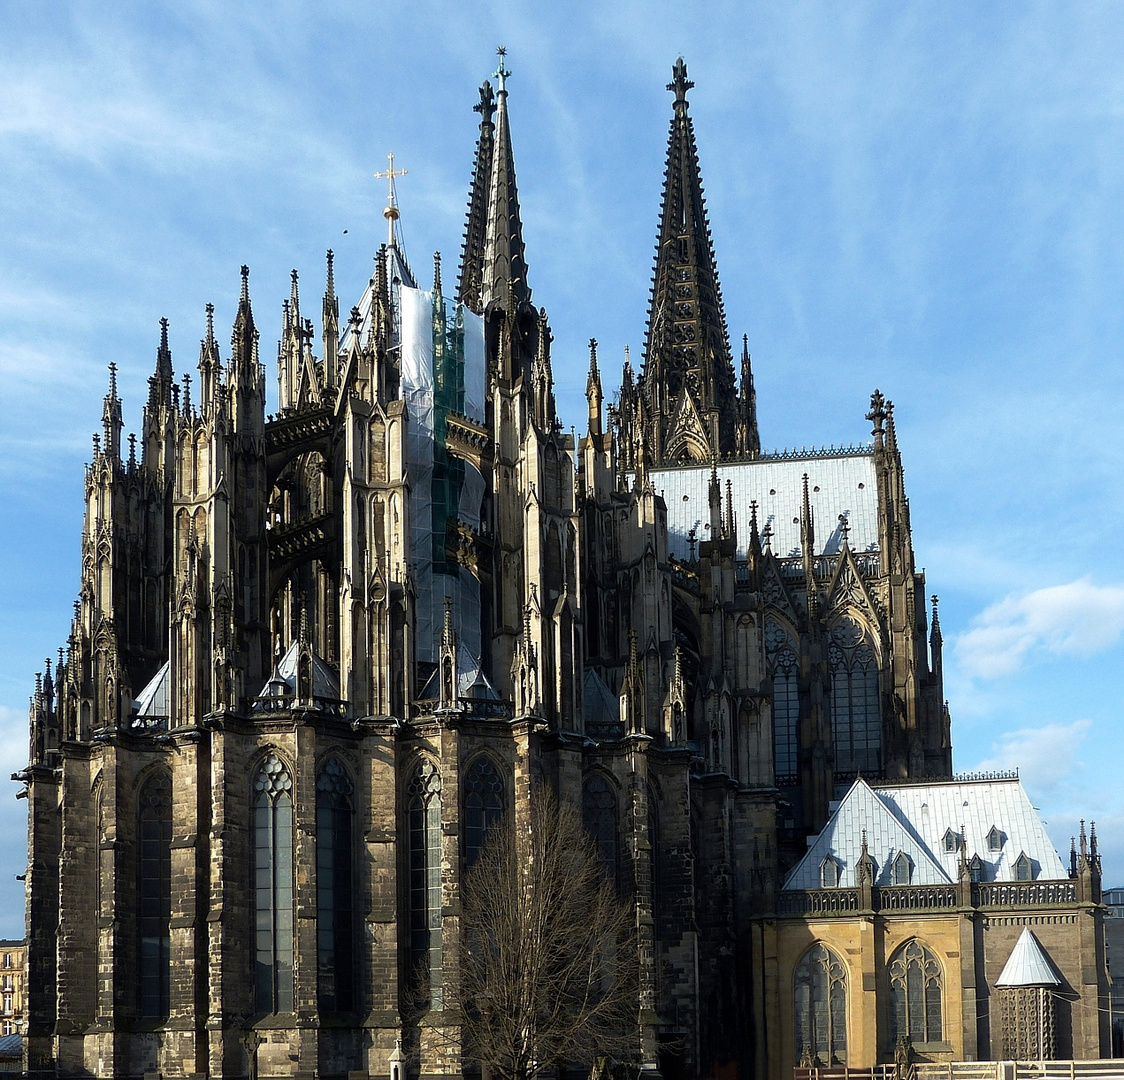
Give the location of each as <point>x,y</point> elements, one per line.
<point>315,654</point>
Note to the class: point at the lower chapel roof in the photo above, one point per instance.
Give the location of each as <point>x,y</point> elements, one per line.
<point>925,823</point>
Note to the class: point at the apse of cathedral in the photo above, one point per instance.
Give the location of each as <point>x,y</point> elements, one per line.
<point>317,653</point>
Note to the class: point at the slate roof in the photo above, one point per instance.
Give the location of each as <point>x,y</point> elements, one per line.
<point>886,835</point>
<point>978,805</point>
<point>325,684</point>
<point>471,680</point>
<point>913,818</point>
<point>839,484</point>
<point>153,699</point>
<point>1028,964</point>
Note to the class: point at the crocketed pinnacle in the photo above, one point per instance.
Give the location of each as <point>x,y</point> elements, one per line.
<point>160,384</point>
<point>687,343</point>
<point>243,338</point>
<point>505,265</point>
<point>470,283</point>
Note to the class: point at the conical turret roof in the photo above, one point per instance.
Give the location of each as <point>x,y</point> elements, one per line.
<point>1028,964</point>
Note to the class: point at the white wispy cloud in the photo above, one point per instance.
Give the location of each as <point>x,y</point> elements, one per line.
<point>1046,756</point>
<point>1077,619</point>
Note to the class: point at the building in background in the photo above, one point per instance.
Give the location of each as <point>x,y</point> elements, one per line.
<point>317,654</point>
<point>13,955</point>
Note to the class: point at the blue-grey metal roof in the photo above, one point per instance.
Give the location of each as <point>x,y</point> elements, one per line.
<point>1028,964</point>
<point>841,484</point>
<point>915,818</point>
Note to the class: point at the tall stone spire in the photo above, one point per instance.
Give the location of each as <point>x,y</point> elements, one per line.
<point>504,273</point>
<point>470,284</point>
<point>688,378</point>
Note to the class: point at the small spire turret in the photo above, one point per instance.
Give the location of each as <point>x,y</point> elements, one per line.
<point>111,418</point>
<point>593,394</point>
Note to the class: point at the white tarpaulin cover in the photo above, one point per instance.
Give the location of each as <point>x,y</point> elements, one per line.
<point>442,371</point>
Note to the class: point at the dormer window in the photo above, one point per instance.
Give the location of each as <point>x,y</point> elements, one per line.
<point>975,868</point>
<point>995,840</point>
<point>829,873</point>
<point>903,869</point>
<point>1024,869</point>
<point>951,842</point>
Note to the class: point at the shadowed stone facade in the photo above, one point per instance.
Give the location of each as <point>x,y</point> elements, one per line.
<point>316,653</point>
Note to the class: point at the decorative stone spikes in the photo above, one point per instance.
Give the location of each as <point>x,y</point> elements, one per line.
<point>111,417</point>
<point>470,284</point>
<point>687,343</point>
<point>160,384</point>
<point>504,276</point>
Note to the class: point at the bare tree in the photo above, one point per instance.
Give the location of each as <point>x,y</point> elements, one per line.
<point>548,968</point>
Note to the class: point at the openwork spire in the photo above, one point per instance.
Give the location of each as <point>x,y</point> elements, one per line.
<point>504,273</point>
<point>470,284</point>
<point>688,347</point>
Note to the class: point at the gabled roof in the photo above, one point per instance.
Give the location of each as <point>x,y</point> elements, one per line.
<point>599,706</point>
<point>153,699</point>
<point>978,806</point>
<point>862,810</point>
<point>325,685</point>
<point>471,681</point>
<point>1028,964</point>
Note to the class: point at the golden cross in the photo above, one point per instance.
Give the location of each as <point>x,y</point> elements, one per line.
<point>391,212</point>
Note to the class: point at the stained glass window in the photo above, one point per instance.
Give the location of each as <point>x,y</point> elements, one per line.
<point>599,816</point>
<point>915,994</point>
<point>273,887</point>
<point>856,714</point>
<point>335,889</point>
<point>484,805</point>
<point>820,985</point>
<point>154,897</point>
<point>423,808</point>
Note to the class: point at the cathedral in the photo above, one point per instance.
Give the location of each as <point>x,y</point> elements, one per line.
<point>317,653</point>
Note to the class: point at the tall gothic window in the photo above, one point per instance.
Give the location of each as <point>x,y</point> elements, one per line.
<point>335,914</point>
<point>915,994</point>
<point>820,985</point>
<point>273,887</point>
<point>856,713</point>
<point>484,806</point>
<point>154,897</point>
<point>786,718</point>
<point>599,816</point>
<point>423,808</point>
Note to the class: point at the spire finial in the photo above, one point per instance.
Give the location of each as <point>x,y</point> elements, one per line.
<point>331,289</point>
<point>437,272</point>
<point>132,449</point>
<point>210,324</point>
<point>390,174</point>
<point>680,84</point>
<point>501,72</point>
<point>244,297</point>
<point>113,380</point>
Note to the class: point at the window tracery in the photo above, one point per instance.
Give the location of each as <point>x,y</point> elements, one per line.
<point>820,988</point>
<point>335,888</point>
<point>154,896</point>
<point>423,807</point>
<point>915,994</point>
<point>273,887</point>
<point>600,818</point>
<point>786,703</point>
<point>856,715</point>
<point>484,805</point>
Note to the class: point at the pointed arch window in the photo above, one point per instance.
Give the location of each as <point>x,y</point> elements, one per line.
<point>154,897</point>
<point>856,714</point>
<point>599,816</point>
<point>273,887</point>
<point>484,806</point>
<point>786,718</point>
<point>335,883</point>
<point>820,988</point>
<point>915,995</point>
<point>995,840</point>
<point>975,869</point>
<point>1024,868</point>
<point>829,873</point>
<point>902,869</point>
<point>423,809</point>
<point>951,841</point>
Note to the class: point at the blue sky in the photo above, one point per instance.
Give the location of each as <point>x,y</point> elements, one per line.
<point>926,198</point>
